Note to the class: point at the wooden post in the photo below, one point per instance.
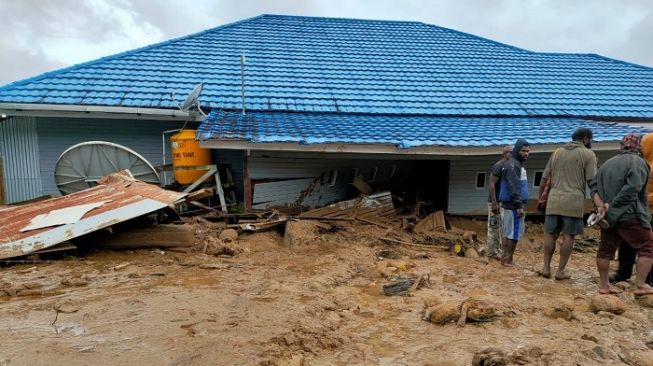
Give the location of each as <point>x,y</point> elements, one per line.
<point>218,186</point>
<point>247,182</point>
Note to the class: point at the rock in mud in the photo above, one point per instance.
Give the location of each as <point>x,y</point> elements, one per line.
<point>607,303</point>
<point>562,311</point>
<point>443,313</point>
<point>490,357</point>
<point>646,301</point>
<point>389,253</point>
<point>480,311</point>
<point>623,285</point>
<point>228,235</point>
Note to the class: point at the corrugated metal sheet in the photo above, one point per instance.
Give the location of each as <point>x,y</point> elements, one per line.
<point>19,150</point>
<point>124,197</point>
<point>401,131</point>
<point>310,64</point>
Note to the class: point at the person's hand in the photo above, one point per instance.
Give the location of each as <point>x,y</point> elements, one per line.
<point>602,210</point>
<point>495,207</point>
<point>521,213</point>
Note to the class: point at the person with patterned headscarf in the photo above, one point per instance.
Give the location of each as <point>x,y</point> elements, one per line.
<point>619,194</point>
<point>627,254</point>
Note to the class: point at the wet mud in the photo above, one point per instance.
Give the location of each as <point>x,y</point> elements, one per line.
<point>315,298</point>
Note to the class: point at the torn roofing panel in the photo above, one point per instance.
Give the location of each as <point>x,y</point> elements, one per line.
<point>124,198</point>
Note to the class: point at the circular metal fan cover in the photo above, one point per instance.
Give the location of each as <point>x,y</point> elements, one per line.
<point>81,166</point>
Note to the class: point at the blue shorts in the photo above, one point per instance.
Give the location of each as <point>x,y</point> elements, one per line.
<point>513,225</point>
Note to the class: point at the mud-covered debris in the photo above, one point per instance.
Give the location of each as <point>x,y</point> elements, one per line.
<point>561,311</point>
<point>490,357</point>
<point>646,300</point>
<point>447,312</point>
<point>624,285</point>
<point>590,338</point>
<point>389,253</point>
<point>480,310</point>
<point>398,287</point>
<point>121,266</point>
<point>586,245</point>
<point>228,235</point>
<point>607,303</point>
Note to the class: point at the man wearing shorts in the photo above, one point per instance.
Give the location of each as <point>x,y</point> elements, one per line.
<point>619,193</point>
<point>513,195</point>
<point>570,167</point>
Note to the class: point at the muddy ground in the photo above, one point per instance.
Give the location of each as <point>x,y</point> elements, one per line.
<point>318,301</point>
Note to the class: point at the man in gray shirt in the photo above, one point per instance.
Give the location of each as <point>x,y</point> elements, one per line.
<point>619,193</point>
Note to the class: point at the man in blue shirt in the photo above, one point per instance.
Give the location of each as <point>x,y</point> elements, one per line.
<point>495,212</point>
<point>513,196</point>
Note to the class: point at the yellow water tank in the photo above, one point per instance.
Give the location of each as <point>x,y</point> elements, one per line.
<point>186,151</point>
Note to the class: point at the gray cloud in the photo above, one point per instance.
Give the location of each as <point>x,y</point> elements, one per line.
<point>618,29</point>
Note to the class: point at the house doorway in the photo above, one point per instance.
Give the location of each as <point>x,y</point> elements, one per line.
<point>429,184</point>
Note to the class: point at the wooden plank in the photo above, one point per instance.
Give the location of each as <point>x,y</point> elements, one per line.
<point>218,186</point>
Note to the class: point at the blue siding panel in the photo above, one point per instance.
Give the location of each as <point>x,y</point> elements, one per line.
<point>55,135</point>
<point>19,153</point>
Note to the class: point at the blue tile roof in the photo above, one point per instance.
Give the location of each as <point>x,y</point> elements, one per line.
<point>402,131</point>
<point>306,64</point>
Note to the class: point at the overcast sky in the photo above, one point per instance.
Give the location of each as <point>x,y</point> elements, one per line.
<point>44,35</point>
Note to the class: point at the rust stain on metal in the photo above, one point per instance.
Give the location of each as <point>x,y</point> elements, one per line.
<point>125,197</point>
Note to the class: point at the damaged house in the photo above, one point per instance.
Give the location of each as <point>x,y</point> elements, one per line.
<point>301,108</point>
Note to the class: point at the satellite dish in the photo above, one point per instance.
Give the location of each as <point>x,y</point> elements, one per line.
<point>192,100</point>
<point>82,165</point>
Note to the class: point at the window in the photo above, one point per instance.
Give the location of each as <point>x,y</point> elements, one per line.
<point>333,175</point>
<point>480,180</point>
<point>537,178</point>
<point>373,173</point>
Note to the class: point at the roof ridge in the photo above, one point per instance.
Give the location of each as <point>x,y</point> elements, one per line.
<point>617,61</point>
<point>340,18</point>
<point>479,37</point>
<point>121,54</point>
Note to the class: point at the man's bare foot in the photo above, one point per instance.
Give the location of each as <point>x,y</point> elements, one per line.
<point>643,291</point>
<point>543,273</point>
<point>610,290</point>
<point>506,263</point>
<point>561,276</point>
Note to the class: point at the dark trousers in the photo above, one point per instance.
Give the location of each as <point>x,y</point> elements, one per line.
<point>627,257</point>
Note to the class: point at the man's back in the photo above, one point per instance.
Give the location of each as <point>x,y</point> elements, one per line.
<point>570,168</point>
<point>621,182</point>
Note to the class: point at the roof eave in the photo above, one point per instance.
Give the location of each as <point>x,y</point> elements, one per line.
<point>80,111</point>
<point>384,148</point>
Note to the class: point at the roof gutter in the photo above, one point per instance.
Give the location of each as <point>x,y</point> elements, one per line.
<point>386,149</point>
<point>81,111</point>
